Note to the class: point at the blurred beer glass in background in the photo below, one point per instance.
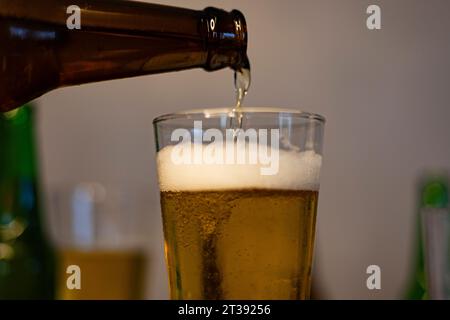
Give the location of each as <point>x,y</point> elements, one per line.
<point>232,232</point>
<point>96,228</point>
<point>432,198</point>
<point>435,215</point>
<point>436,227</point>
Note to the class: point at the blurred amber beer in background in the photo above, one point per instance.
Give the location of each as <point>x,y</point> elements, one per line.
<point>105,274</point>
<point>232,233</point>
<point>97,234</point>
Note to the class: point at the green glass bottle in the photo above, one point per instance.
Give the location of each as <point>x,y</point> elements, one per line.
<point>26,258</point>
<point>433,193</point>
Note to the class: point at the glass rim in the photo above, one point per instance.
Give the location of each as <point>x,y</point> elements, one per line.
<point>215,112</point>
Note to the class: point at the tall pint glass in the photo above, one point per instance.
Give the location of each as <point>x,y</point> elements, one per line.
<point>239,194</point>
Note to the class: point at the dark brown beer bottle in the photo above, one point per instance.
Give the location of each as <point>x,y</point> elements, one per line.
<point>40,52</point>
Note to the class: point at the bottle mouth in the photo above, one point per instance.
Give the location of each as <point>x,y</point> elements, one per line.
<point>223,58</point>
<point>241,31</point>
<point>226,39</point>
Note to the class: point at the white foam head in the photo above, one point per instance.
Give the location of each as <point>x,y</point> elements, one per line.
<point>296,171</point>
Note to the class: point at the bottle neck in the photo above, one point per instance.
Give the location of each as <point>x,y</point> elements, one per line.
<point>226,38</point>
<point>116,39</point>
<point>220,36</point>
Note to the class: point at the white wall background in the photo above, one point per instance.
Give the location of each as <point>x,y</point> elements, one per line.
<point>384,93</point>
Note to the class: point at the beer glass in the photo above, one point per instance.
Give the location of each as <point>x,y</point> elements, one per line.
<point>96,229</point>
<point>239,192</point>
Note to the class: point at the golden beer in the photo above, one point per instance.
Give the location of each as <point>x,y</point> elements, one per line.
<point>239,244</point>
